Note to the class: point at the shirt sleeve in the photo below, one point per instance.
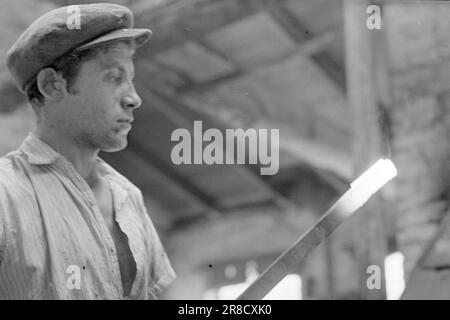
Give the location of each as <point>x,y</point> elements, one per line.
<point>162,273</point>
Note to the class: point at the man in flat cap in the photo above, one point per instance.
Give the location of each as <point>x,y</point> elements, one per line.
<point>71,227</point>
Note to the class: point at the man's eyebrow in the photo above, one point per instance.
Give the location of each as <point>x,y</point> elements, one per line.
<point>117,65</point>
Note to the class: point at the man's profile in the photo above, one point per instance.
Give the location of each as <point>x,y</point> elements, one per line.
<point>61,206</point>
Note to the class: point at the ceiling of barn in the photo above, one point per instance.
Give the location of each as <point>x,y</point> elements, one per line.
<point>234,63</point>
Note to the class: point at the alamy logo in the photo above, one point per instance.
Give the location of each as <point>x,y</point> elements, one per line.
<point>74,20</point>
<point>189,149</point>
<point>74,279</point>
<point>374,280</point>
<point>374,20</point>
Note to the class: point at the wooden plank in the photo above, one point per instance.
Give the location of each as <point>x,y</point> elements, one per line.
<point>253,40</point>
<point>293,26</point>
<point>178,21</point>
<point>196,61</point>
<point>308,48</point>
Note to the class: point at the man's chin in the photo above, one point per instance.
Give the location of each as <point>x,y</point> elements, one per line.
<point>116,147</point>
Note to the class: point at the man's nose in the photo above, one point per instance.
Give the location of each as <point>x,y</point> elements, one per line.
<point>131,100</point>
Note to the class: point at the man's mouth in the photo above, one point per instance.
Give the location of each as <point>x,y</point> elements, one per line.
<point>125,123</point>
<point>127,120</point>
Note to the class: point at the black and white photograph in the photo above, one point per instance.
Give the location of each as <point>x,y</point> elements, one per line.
<point>235,150</point>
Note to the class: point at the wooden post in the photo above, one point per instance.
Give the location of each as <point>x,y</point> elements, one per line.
<point>363,73</point>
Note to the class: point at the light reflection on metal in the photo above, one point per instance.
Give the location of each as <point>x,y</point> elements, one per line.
<point>361,189</point>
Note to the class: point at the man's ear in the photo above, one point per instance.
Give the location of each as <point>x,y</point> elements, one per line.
<point>51,84</point>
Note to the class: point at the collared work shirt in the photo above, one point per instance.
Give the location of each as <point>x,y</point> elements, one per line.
<point>54,242</point>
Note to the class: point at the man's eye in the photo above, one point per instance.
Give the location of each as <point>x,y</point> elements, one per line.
<point>115,78</point>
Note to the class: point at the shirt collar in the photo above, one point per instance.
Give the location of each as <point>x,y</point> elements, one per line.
<point>110,172</point>
<point>37,151</point>
<point>40,153</point>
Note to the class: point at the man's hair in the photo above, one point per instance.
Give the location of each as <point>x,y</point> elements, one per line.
<point>69,66</point>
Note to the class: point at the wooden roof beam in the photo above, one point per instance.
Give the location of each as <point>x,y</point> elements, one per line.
<point>179,21</point>
<point>300,34</point>
<point>309,48</point>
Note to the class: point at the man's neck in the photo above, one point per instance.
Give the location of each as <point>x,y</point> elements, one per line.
<point>83,159</point>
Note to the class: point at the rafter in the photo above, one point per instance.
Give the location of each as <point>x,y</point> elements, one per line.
<point>178,21</point>
<point>309,48</point>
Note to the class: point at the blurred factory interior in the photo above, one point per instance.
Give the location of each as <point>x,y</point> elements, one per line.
<point>342,95</point>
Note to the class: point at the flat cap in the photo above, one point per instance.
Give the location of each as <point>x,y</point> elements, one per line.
<point>67,29</point>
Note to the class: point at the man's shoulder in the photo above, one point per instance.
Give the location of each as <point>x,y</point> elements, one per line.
<point>7,165</point>
<point>12,175</point>
<point>7,159</point>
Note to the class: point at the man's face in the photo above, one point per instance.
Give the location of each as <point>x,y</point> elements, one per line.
<point>100,113</point>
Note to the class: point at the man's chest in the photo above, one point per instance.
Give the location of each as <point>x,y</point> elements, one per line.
<point>126,261</point>
<point>56,224</point>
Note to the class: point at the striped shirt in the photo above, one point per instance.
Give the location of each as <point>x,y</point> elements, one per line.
<point>54,242</point>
